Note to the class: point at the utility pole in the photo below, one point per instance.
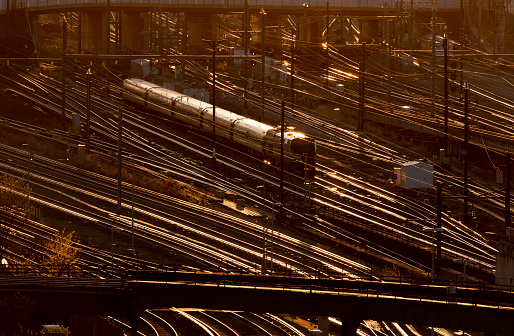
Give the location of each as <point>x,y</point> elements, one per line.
<point>107,27</point>
<point>120,146</point>
<point>305,25</point>
<point>132,212</point>
<point>213,44</point>
<point>282,126</point>
<point>160,49</point>
<point>293,46</point>
<point>263,59</point>
<point>390,63</point>
<point>88,111</point>
<point>362,78</point>
<point>262,14</point>
<point>465,153</point>
<point>327,50</point>
<point>119,24</point>
<point>64,46</point>
<point>507,192</point>
<point>439,221</point>
<point>432,113</point>
<point>246,16</point>
<point>8,20</point>
<point>461,40</point>
<point>445,48</point>
<point>411,25</point>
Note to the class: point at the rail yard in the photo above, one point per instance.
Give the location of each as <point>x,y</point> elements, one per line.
<point>282,178</point>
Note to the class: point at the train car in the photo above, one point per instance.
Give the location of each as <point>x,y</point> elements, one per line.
<point>299,150</point>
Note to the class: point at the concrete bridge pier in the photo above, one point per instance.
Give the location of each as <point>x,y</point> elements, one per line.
<point>93,32</point>
<point>34,26</point>
<point>309,36</point>
<point>349,326</point>
<point>371,30</point>
<point>272,37</point>
<point>132,30</point>
<point>201,26</point>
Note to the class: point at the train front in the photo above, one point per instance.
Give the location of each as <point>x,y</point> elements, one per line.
<point>304,149</point>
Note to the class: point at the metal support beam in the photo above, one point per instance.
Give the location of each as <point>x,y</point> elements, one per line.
<point>465,151</point>
<point>445,48</point>
<point>439,222</point>
<point>213,44</point>
<point>507,192</point>
<point>120,146</point>
<point>362,88</point>
<point>64,45</point>
<point>282,131</point>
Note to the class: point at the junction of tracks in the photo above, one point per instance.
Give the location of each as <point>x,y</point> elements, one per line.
<point>480,308</point>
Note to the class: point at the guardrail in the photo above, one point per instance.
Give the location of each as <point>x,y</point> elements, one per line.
<point>172,270</point>
<point>411,291</point>
<point>474,293</point>
<point>456,281</point>
<point>59,282</point>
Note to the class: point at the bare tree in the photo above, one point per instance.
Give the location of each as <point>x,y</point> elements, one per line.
<point>61,256</point>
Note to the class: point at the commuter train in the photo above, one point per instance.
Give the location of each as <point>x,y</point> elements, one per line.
<point>299,150</point>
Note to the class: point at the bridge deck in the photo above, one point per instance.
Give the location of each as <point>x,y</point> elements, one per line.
<point>223,5</point>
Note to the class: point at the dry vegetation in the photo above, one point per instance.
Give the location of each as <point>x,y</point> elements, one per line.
<point>154,182</point>
<point>163,185</point>
<point>14,195</point>
<point>60,254</point>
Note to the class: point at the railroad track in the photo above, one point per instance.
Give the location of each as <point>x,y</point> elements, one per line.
<point>256,196</point>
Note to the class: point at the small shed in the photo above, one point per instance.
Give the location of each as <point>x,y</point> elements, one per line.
<point>52,329</point>
<point>315,332</point>
<point>140,68</point>
<point>415,175</point>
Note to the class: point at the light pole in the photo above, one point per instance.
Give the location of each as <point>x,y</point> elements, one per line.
<point>63,89</point>
<point>433,230</point>
<point>327,50</point>
<point>88,110</point>
<point>28,177</point>
<point>465,261</point>
<point>273,205</point>
<point>305,25</point>
<point>112,247</point>
<point>262,16</point>
<point>213,44</point>
<point>133,249</point>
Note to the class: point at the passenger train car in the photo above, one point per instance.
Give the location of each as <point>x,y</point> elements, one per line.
<point>299,151</point>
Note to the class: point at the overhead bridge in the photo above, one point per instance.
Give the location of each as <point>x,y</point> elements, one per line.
<point>222,6</point>
<point>138,24</point>
<point>481,308</point>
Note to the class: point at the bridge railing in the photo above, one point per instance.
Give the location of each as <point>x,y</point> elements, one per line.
<point>313,4</point>
<point>455,280</point>
<point>11,280</point>
<point>165,271</point>
<point>425,291</point>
